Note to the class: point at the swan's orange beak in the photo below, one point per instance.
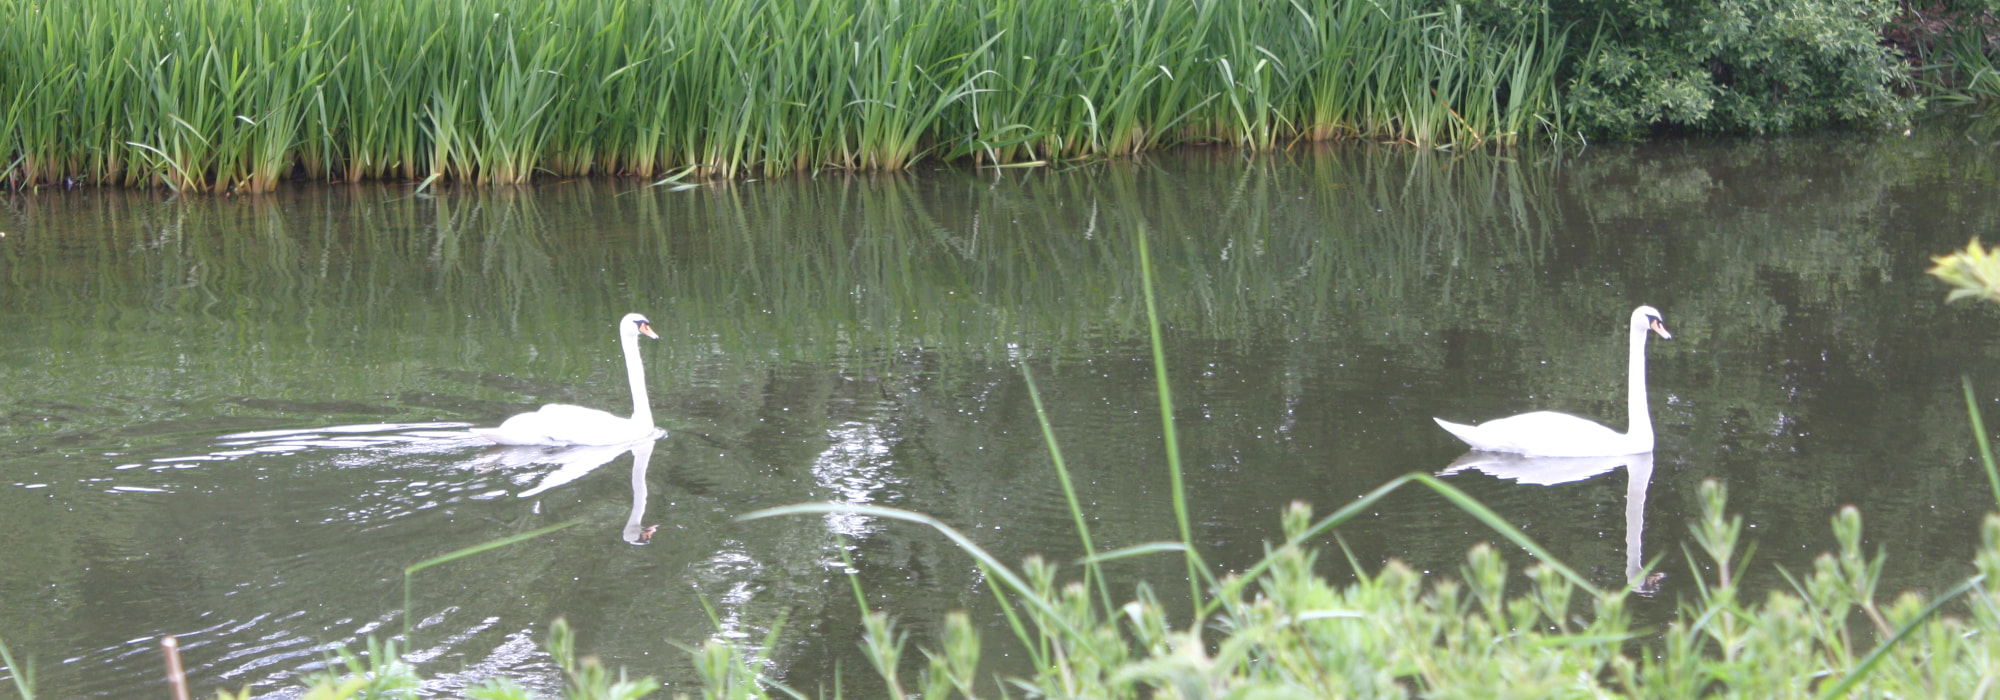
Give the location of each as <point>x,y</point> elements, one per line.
<point>1660,328</point>
<point>646,329</point>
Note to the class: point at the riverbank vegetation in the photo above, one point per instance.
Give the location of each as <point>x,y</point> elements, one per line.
<point>1280,630</point>
<point>235,95</point>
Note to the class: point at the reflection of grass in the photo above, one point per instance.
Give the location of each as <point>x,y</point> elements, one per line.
<point>805,269</point>
<point>359,296</point>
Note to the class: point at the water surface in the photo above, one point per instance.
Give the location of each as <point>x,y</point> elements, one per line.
<point>238,420</point>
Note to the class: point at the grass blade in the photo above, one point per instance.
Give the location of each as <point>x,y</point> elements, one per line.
<point>410,571</point>
<point>1979,435</point>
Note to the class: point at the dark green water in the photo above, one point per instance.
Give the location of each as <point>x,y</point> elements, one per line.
<point>238,420</point>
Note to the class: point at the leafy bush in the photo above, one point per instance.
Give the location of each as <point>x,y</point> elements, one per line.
<point>1638,67</point>
<point>1735,65</point>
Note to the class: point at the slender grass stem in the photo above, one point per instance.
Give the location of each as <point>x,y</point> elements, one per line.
<point>24,677</point>
<point>409,572</point>
<point>1860,670</point>
<point>1091,572</point>
<point>1362,505</point>
<point>1979,436</point>
<point>1005,576</point>
<point>1167,432</point>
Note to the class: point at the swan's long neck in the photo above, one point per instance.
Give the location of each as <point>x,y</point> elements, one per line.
<point>635,371</point>
<point>1640,426</point>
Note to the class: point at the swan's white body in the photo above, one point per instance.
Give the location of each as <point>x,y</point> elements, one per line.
<point>564,425</point>
<point>1551,434</point>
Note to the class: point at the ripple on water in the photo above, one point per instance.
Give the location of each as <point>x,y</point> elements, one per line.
<point>314,522</point>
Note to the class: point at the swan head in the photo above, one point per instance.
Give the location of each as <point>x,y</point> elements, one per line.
<point>634,325</point>
<point>1649,318</point>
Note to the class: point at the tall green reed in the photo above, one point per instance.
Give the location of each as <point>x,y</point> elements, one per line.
<point>23,676</point>
<point>237,95</point>
<point>1168,432</point>
<point>1962,70</point>
<point>410,572</point>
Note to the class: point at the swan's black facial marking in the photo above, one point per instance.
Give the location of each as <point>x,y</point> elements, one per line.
<point>646,329</point>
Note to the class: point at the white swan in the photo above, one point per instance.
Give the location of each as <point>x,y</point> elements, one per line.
<point>561,424</point>
<point>1551,434</point>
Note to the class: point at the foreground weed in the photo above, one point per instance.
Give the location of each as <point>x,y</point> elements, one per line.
<point>734,672</point>
<point>587,677</point>
<point>1291,633</point>
<point>380,674</point>
<point>1973,273</point>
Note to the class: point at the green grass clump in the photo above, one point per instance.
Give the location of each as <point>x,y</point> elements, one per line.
<point>1282,631</point>
<point>236,95</point>
<point>1964,67</point>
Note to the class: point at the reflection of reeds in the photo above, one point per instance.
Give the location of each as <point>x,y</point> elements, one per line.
<point>371,299</point>
<point>912,262</point>
<point>215,95</point>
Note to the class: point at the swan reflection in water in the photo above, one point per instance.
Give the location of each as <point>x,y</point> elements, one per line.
<point>1549,471</point>
<point>434,443</point>
<point>571,464</point>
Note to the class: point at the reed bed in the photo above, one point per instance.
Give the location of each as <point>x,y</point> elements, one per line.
<point>237,95</point>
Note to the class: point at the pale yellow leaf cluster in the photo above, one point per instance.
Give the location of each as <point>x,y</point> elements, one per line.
<point>1973,272</point>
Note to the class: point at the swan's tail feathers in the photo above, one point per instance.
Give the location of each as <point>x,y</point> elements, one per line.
<point>1479,437</point>
<point>1467,433</point>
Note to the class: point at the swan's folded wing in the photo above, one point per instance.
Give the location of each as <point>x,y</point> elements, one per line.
<point>1545,434</point>
<point>563,424</point>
